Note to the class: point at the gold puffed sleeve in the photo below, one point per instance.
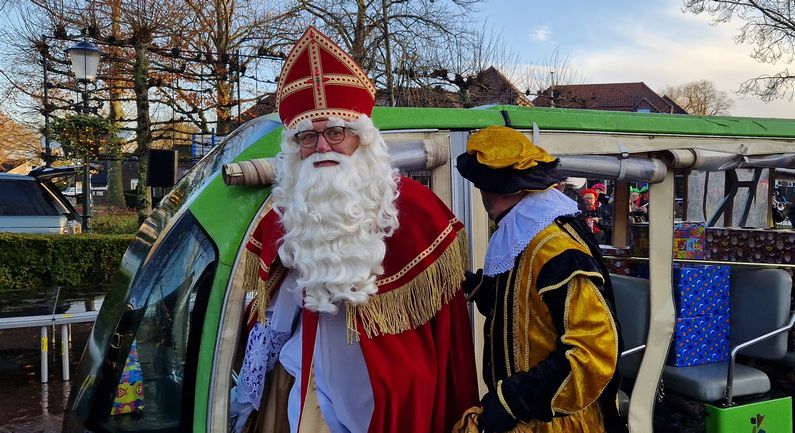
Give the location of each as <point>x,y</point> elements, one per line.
<point>591,331</point>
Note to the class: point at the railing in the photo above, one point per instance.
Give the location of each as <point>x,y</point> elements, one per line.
<point>45,321</point>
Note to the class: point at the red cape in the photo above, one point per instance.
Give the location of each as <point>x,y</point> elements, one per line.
<point>415,333</point>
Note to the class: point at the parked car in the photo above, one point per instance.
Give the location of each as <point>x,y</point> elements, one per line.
<point>32,204</point>
<point>70,192</point>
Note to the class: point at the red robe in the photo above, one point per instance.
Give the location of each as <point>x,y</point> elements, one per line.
<point>414,333</point>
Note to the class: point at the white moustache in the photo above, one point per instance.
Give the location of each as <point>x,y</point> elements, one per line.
<point>337,157</point>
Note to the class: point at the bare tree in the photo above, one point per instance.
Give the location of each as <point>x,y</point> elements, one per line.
<point>165,62</point>
<point>459,66</point>
<point>769,28</point>
<point>265,27</point>
<point>540,78</point>
<point>395,41</point>
<point>700,98</point>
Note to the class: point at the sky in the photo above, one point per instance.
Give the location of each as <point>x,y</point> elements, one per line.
<point>614,41</point>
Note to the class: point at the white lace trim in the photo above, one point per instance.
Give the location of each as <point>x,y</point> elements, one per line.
<point>262,352</point>
<point>516,229</point>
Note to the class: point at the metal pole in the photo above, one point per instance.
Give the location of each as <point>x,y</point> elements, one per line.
<point>86,195</point>
<point>65,351</point>
<point>86,172</point>
<point>44,344</point>
<point>54,309</point>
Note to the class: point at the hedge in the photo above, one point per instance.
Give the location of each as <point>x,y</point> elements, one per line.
<point>115,222</point>
<point>77,263</point>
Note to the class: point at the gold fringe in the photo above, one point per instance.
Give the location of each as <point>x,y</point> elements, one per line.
<point>350,320</point>
<point>415,303</point>
<point>252,281</point>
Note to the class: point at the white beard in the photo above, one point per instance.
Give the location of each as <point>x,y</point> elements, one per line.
<point>335,219</point>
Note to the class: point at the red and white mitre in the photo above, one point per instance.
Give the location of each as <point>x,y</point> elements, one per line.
<point>320,80</point>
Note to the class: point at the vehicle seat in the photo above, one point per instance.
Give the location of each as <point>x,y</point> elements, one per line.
<point>632,312</point>
<point>760,302</point>
<point>631,297</point>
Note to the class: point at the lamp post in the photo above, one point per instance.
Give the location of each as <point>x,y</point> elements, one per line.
<point>84,56</point>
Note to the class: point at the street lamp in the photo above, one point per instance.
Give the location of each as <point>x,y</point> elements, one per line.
<point>84,56</point>
<point>85,61</point>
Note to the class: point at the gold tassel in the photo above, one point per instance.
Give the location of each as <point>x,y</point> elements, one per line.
<point>252,282</point>
<point>415,303</point>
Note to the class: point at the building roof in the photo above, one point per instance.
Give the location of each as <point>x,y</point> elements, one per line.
<point>487,88</point>
<point>608,96</point>
<point>493,88</point>
<point>265,105</point>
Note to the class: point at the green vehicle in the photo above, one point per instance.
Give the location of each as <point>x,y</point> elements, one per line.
<point>175,311</point>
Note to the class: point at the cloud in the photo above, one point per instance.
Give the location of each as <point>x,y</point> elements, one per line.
<point>541,33</point>
<point>654,42</point>
<point>679,50</point>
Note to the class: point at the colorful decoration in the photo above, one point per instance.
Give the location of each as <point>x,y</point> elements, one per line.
<point>689,240</point>
<point>130,392</point>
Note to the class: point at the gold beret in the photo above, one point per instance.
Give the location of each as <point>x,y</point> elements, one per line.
<point>502,147</point>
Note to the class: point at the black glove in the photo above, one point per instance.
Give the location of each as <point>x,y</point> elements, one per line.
<point>494,419</point>
<point>472,283</point>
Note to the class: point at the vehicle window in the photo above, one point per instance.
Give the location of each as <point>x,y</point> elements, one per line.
<point>25,198</point>
<point>58,201</point>
<point>155,380</point>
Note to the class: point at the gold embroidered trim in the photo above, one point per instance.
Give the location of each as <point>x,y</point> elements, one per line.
<point>562,282</point>
<point>344,80</point>
<point>524,364</point>
<point>577,239</point>
<point>296,85</point>
<point>318,89</point>
<point>255,242</point>
<point>502,400</point>
<point>506,346</point>
<point>328,79</point>
<point>573,233</point>
<point>531,264</point>
<point>414,303</point>
<point>324,113</point>
<point>421,256</point>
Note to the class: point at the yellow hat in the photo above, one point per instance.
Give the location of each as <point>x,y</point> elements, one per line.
<point>502,160</point>
<point>503,147</point>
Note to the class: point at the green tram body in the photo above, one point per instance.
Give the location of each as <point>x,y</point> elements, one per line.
<point>175,275</point>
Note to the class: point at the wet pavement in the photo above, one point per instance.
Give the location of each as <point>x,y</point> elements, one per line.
<point>26,404</point>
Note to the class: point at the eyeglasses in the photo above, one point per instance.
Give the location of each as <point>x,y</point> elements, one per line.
<point>333,135</point>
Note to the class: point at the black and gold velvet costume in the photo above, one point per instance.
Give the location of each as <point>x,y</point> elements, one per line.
<point>551,340</point>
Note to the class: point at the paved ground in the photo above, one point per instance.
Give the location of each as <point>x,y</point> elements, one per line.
<point>27,405</point>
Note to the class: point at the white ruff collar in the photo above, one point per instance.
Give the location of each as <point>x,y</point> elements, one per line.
<point>516,229</point>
